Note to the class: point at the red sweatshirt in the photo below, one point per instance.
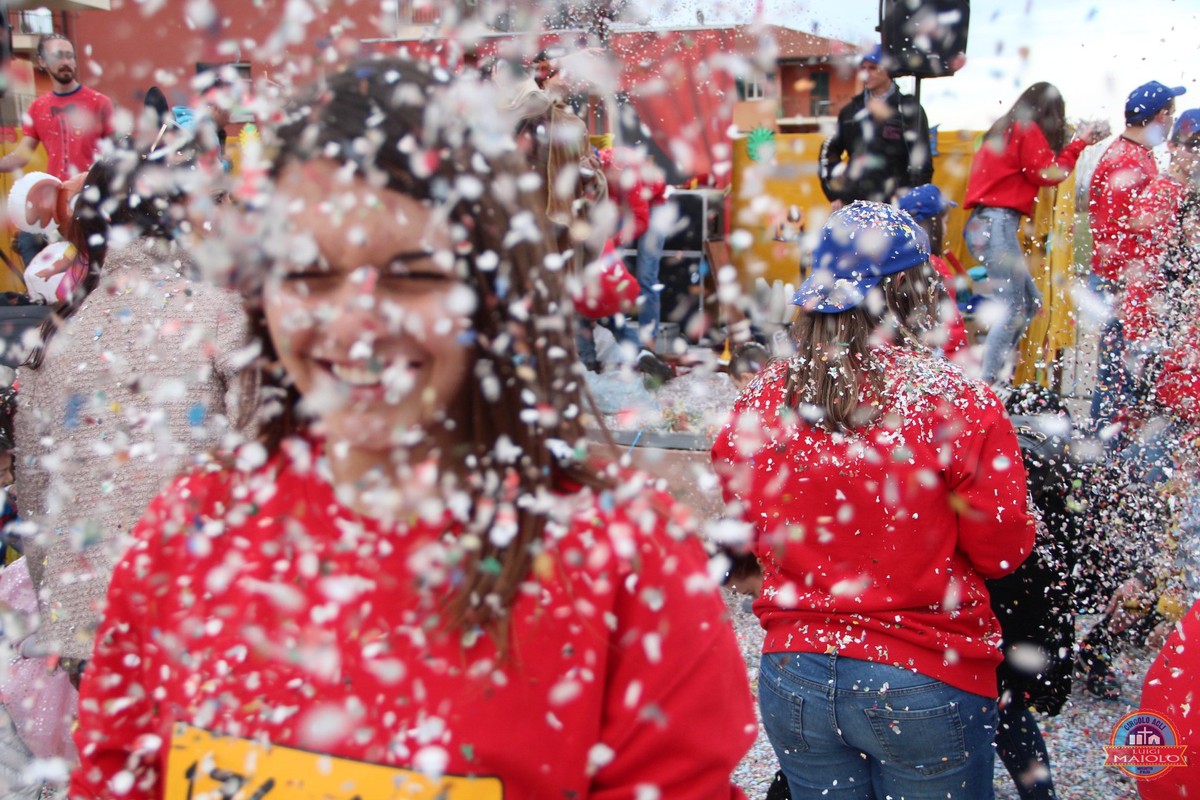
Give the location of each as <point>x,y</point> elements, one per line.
<point>876,542</point>
<point>956,329</point>
<point>1178,384</point>
<point>260,628</point>
<point>1118,235</point>
<point>1011,178</point>
<point>1145,306</point>
<point>1172,691</point>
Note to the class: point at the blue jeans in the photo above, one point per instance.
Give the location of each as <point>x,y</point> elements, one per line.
<point>845,728</point>
<point>991,236</point>
<point>1114,380</point>
<point>28,245</point>
<point>649,259</point>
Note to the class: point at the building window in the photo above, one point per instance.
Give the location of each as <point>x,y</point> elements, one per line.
<point>38,21</point>
<point>820,106</point>
<point>750,89</point>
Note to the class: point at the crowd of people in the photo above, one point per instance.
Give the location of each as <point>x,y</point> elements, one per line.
<point>308,493</point>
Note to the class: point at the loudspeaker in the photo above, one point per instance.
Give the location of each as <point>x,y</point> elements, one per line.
<point>925,38</point>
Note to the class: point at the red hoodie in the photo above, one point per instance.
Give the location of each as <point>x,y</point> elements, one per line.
<point>877,542</point>
<point>1011,178</point>
<point>951,317</point>
<point>1178,384</point>
<point>260,628</point>
<point>1146,304</point>
<point>1171,690</point>
<point>1119,235</point>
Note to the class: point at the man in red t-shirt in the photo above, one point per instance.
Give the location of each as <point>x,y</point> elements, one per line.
<point>69,122</point>
<point>1119,234</point>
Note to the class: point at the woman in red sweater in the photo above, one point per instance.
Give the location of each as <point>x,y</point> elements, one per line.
<point>883,487</point>
<point>1023,151</point>
<point>414,581</point>
<point>1170,690</point>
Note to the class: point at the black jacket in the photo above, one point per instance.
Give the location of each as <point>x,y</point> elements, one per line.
<point>884,155</point>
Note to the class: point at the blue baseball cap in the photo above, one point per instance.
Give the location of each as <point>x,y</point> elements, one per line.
<point>874,55</point>
<point>860,245</point>
<point>924,202</point>
<point>1149,99</point>
<point>1187,126</point>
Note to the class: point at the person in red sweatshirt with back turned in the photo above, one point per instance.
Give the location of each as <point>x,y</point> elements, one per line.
<point>883,487</point>
<point>1023,151</point>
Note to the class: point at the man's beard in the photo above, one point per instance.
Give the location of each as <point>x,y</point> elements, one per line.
<point>58,76</point>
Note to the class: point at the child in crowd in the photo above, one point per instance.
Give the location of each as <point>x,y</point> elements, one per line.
<point>929,208</point>
<point>883,487</point>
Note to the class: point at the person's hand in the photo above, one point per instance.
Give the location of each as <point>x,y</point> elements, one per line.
<point>1158,637</point>
<point>1092,132</point>
<point>1129,603</point>
<point>58,267</point>
<point>836,204</point>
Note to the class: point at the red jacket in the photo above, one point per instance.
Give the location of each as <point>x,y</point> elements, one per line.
<point>877,542</point>
<point>1011,178</point>
<point>1118,235</point>
<point>626,189</point>
<point>1144,306</point>
<point>956,329</point>
<point>256,607</point>
<point>1171,691</point>
<point>1178,383</point>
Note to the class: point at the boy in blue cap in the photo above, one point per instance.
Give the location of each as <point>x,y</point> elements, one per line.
<point>1119,237</point>
<point>928,207</point>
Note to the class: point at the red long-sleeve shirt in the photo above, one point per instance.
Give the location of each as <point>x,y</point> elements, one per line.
<point>956,329</point>
<point>1171,690</point>
<point>1145,311</point>
<point>261,628</point>
<point>1011,177</point>
<point>1119,235</point>
<point>877,542</point>
<point>1178,383</point>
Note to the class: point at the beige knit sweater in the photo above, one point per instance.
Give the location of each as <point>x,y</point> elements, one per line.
<point>136,388</point>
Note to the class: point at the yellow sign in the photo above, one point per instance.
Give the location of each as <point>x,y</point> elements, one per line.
<point>203,766</point>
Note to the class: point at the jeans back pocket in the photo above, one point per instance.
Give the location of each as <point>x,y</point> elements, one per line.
<point>927,740</point>
<point>782,707</point>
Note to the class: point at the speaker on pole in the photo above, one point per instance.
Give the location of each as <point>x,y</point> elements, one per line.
<point>925,38</point>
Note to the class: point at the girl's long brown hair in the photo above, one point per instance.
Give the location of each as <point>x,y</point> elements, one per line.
<point>383,117</point>
<point>1043,105</point>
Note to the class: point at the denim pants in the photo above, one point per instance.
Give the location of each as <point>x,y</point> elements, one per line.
<point>845,728</point>
<point>991,236</point>
<point>1122,381</point>
<point>28,245</point>
<point>649,259</point>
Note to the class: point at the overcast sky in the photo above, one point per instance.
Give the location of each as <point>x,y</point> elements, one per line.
<point>1095,51</point>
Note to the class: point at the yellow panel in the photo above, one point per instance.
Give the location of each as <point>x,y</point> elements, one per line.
<point>763,191</point>
<point>201,765</point>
